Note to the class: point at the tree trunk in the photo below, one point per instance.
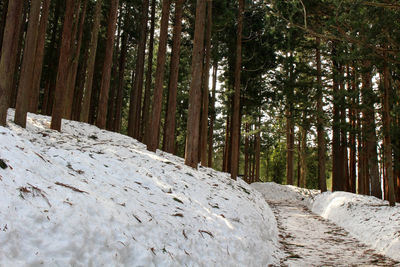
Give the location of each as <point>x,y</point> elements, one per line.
<point>153,133</point>
<point>369,131</point>
<point>76,49</point>
<point>246,153</point>
<point>170,115</point>
<point>387,143</point>
<point>353,87</point>
<point>9,55</point>
<point>258,151</point>
<point>338,179</point>
<point>212,117</point>
<point>205,93</point>
<point>236,100</point>
<point>39,56</point>
<point>193,122</point>
<point>121,72</point>
<point>303,157</point>
<point>63,67</point>
<point>320,124</point>
<point>106,74</point>
<point>136,93</point>
<point>87,96</point>
<point>147,92</point>
<point>289,144</point>
<point>3,22</point>
<point>226,144</point>
<point>25,87</point>
<point>51,72</point>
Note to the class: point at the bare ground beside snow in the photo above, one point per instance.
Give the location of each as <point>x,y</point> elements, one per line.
<point>312,240</point>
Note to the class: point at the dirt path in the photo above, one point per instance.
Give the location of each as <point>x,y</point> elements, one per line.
<point>310,240</point>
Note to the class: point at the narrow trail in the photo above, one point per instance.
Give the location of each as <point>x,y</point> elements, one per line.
<point>310,240</point>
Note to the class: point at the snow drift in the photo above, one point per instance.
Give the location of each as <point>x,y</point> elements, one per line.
<point>88,197</point>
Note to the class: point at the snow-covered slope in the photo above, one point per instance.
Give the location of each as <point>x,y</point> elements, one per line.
<point>367,218</point>
<point>88,197</point>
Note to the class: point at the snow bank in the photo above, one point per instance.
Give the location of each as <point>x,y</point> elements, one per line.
<point>367,218</point>
<point>88,197</point>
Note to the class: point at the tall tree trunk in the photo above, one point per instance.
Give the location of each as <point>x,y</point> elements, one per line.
<point>338,179</point>
<point>258,151</point>
<point>153,133</point>
<point>387,143</point>
<point>246,153</point>
<point>76,48</point>
<point>227,144</point>
<point>51,72</point>
<point>136,93</point>
<point>343,131</point>
<point>121,73</point>
<point>369,131</point>
<point>147,92</point>
<point>289,144</point>
<point>63,67</point>
<point>170,115</point>
<point>205,93</point>
<point>303,157</point>
<point>25,87</point>
<point>9,55</point>
<point>236,100</point>
<point>320,124</point>
<point>106,74</point>
<point>193,122</point>
<point>353,87</point>
<point>87,96</point>
<point>39,56</point>
<point>212,117</point>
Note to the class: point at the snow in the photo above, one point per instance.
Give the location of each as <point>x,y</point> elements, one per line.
<point>89,197</point>
<point>368,219</point>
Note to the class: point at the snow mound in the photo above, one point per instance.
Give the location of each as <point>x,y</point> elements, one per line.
<point>88,197</point>
<point>274,192</point>
<point>367,218</point>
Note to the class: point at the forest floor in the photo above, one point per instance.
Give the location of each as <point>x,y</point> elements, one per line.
<point>308,239</point>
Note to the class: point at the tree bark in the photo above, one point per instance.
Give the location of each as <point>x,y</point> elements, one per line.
<point>387,143</point>
<point>353,87</point>
<point>205,93</point>
<point>258,151</point>
<point>338,179</point>
<point>236,100</point>
<point>246,154</point>
<point>39,56</point>
<point>289,144</point>
<point>106,74</point>
<point>369,132</point>
<point>193,122</point>
<point>227,144</point>
<point>87,96</point>
<point>170,115</point>
<point>320,124</point>
<point>212,117</point>
<point>9,55</point>
<point>3,21</point>
<point>121,73</point>
<point>145,119</point>
<point>303,157</point>
<point>25,87</point>
<point>136,93</point>
<point>153,133</point>
<point>63,67</point>
<point>76,50</point>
